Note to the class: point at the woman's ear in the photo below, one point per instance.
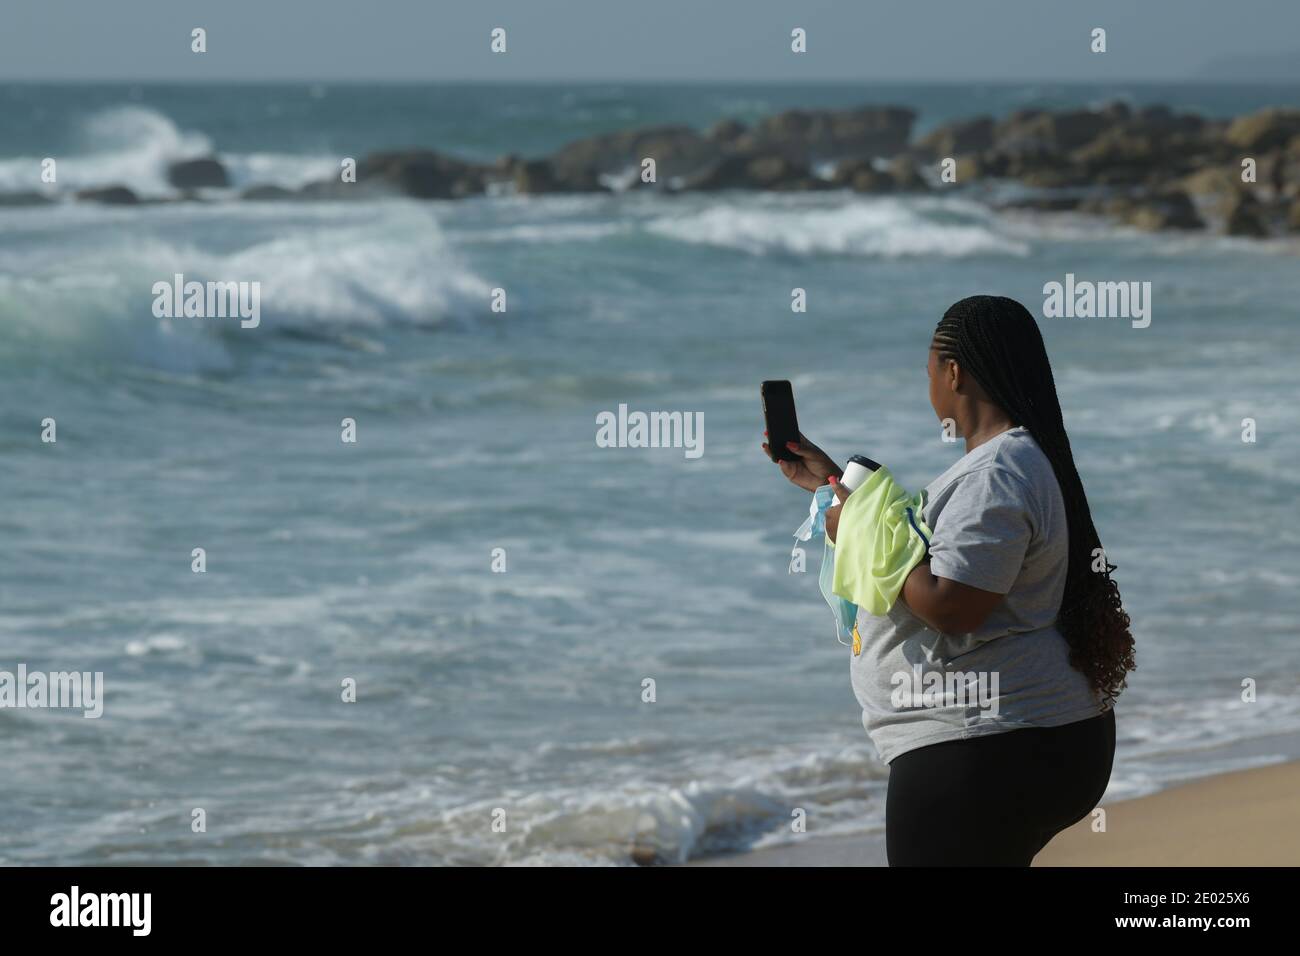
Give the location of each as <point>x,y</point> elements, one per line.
<point>953,374</point>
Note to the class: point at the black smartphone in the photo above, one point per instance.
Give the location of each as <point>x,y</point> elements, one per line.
<point>782,425</point>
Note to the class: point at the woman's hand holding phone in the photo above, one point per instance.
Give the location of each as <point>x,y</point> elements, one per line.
<point>812,466</point>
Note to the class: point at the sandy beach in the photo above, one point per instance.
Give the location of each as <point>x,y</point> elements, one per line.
<point>1246,818</point>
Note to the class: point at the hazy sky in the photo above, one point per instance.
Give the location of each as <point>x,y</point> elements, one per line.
<point>652,40</point>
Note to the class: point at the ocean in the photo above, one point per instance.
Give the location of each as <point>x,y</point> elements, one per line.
<point>485,696</point>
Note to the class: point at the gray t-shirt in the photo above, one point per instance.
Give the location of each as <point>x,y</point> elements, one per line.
<point>999,525</point>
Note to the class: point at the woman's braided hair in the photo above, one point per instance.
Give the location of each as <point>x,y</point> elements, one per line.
<point>997,341</point>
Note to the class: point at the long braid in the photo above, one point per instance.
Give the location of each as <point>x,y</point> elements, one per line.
<point>998,342</point>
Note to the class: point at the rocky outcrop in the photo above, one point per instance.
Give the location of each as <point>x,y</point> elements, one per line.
<point>777,153</point>
<point>1127,155</point>
<point>987,165</point>
<point>1172,209</point>
<point>747,171</point>
<point>862,176</point>
<point>540,176</point>
<point>418,173</point>
<point>1165,210</point>
<point>960,138</point>
<point>1036,133</point>
<point>906,174</point>
<point>678,152</point>
<point>1244,216</point>
<point>28,198</point>
<point>109,196</point>
<point>1213,182</point>
<point>901,174</point>
<point>726,131</point>
<point>198,174</point>
<point>1265,130</point>
<point>815,136</point>
<point>1149,167</point>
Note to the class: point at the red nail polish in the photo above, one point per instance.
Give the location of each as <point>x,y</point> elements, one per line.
<point>833,480</point>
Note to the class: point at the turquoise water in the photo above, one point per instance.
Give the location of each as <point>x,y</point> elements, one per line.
<point>476,431</point>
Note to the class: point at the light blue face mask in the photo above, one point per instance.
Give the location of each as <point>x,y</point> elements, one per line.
<point>846,612</point>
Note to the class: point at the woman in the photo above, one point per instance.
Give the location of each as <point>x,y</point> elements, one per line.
<point>1015,597</point>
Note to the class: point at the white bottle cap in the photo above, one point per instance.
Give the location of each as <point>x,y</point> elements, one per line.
<point>854,475</point>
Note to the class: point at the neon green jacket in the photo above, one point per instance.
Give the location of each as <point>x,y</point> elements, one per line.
<point>882,536</point>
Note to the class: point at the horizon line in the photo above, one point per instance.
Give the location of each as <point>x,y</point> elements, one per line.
<point>534,81</point>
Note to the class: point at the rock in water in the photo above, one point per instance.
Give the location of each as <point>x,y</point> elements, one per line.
<point>1267,129</point>
<point>678,151</point>
<point>1244,217</point>
<point>420,174</point>
<point>1035,133</point>
<point>907,176</point>
<point>811,136</point>
<point>1211,182</point>
<point>28,198</point>
<point>1168,210</point>
<point>861,176</point>
<point>198,174</point>
<point>110,196</point>
<point>1293,217</point>
<point>1126,156</point>
<point>746,171</point>
<point>535,177</point>
<point>957,139</point>
<point>726,131</point>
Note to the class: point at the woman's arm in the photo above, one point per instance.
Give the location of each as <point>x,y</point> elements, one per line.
<point>947,606</point>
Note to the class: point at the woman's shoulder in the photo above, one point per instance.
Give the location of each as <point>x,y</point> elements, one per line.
<point>997,452</point>
<point>1019,454</point>
<point>1011,461</point>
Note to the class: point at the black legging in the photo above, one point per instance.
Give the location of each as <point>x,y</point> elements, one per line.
<point>995,800</point>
